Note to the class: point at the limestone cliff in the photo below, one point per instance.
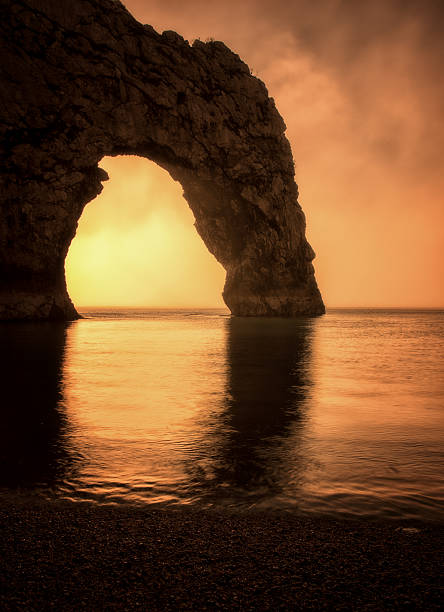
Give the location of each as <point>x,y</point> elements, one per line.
<point>81,79</point>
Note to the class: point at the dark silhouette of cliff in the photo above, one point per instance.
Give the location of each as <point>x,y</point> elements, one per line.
<point>81,79</point>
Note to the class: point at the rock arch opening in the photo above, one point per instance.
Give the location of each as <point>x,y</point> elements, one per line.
<point>136,245</point>
<point>81,81</point>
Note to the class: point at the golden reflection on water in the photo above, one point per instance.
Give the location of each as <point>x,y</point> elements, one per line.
<point>342,414</point>
<point>200,408</point>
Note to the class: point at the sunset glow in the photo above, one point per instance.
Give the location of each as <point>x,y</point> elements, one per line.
<point>367,134</point>
<point>164,449</point>
<point>136,244</point>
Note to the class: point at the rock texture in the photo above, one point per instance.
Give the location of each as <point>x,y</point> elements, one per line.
<point>81,79</point>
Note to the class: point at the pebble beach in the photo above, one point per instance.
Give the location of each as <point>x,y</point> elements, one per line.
<point>58,555</point>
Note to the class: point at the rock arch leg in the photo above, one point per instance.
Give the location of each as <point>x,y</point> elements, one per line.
<point>81,80</point>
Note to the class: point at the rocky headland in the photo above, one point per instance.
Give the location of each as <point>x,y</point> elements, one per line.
<point>81,79</point>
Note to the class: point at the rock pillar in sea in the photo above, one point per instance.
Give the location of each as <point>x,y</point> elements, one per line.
<point>81,79</point>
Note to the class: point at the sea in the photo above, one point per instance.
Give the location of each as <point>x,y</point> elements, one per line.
<point>339,416</point>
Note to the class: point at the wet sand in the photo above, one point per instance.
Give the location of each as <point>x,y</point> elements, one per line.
<point>66,556</point>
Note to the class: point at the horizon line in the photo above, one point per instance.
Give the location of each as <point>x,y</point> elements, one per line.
<point>151,307</point>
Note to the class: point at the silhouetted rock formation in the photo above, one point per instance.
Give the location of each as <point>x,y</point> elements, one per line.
<point>81,79</point>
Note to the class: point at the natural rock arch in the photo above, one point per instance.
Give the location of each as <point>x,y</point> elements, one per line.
<point>82,79</point>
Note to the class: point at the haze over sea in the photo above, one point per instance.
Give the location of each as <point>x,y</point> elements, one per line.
<point>341,415</point>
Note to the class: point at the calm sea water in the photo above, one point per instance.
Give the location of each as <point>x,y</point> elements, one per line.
<point>338,415</point>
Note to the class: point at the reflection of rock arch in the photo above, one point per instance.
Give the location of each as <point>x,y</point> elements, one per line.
<point>88,80</point>
<point>268,384</point>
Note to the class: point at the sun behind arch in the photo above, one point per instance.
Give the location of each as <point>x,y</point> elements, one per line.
<point>136,244</point>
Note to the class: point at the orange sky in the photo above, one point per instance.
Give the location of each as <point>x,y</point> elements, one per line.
<point>360,88</point>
